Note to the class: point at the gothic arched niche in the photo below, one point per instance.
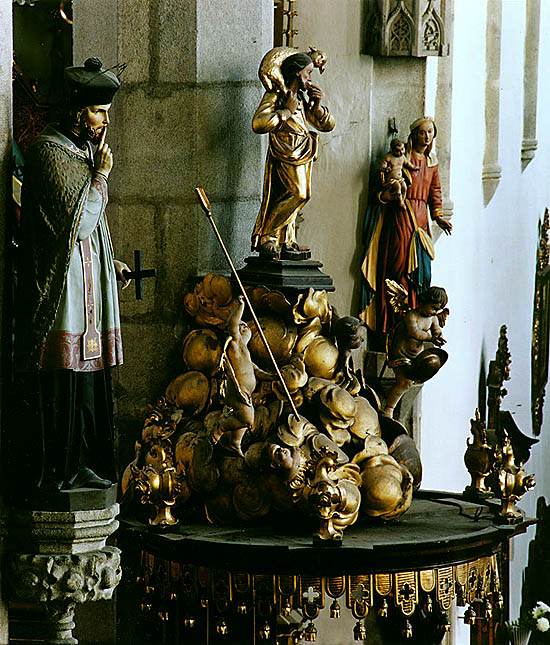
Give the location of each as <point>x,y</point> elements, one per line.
<point>400,32</point>
<point>432,30</point>
<point>416,28</point>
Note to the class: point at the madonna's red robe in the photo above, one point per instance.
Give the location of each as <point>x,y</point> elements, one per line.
<point>394,253</point>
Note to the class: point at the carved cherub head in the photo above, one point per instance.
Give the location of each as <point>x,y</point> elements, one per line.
<point>348,332</point>
<point>266,455</point>
<point>432,301</point>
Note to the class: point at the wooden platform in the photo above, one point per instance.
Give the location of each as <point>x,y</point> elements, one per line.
<point>440,528</point>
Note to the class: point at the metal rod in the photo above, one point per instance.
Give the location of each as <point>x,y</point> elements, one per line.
<point>205,204</point>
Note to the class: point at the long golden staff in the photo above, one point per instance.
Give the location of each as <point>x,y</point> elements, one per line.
<point>205,204</point>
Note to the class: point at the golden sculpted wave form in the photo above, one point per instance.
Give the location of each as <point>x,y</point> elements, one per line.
<point>224,438</point>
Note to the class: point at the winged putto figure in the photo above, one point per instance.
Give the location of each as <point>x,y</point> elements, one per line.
<point>406,355</point>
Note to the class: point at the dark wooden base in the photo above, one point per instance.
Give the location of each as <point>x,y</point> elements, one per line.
<point>439,529</point>
<point>298,275</point>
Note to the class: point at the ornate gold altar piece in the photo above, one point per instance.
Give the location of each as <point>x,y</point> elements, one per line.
<point>541,327</point>
<point>269,416</point>
<point>286,607</point>
<point>497,453</point>
<point>245,441</point>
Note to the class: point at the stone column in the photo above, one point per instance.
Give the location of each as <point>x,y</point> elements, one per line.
<point>530,82</point>
<point>444,117</point>
<point>492,170</point>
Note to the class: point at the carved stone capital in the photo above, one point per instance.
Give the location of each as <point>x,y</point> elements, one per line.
<point>58,559</point>
<point>528,149</point>
<point>58,583</point>
<point>65,578</point>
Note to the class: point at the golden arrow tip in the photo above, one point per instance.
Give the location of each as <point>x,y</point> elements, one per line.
<point>203,200</point>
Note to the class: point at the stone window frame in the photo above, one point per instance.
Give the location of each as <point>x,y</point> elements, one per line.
<point>492,170</point>
<point>529,143</point>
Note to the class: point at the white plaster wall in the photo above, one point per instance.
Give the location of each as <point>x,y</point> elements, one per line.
<point>449,400</point>
<point>333,218</point>
<point>488,264</point>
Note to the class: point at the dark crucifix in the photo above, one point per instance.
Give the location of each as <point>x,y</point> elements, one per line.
<point>139,273</point>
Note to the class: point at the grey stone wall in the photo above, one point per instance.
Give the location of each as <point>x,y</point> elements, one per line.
<point>181,119</point>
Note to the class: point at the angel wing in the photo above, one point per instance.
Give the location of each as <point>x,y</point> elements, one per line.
<point>399,296</point>
<point>270,68</point>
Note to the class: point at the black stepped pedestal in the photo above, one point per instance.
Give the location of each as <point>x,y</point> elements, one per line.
<point>285,274</point>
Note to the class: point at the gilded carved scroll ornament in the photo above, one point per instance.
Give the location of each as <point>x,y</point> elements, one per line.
<point>541,327</point>
<point>226,436</point>
<point>499,449</point>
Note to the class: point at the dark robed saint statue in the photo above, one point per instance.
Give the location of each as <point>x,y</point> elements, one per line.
<point>67,316</point>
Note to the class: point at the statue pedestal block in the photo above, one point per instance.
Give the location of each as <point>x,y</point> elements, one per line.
<point>56,532</point>
<point>408,410</point>
<point>298,275</point>
<point>80,499</point>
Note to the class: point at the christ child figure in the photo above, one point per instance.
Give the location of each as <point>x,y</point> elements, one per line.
<point>391,171</point>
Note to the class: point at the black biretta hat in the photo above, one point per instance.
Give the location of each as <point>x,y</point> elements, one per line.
<point>91,84</point>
